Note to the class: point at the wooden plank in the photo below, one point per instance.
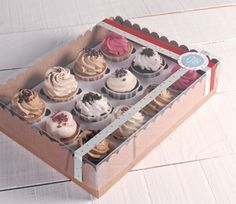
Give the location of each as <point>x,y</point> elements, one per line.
<point>131,188</point>
<point>185,183</point>
<point>20,168</point>
<point>221,175</point>
<point>25,16</point>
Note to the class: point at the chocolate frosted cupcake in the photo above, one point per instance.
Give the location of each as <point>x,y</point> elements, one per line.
<point>63,127</point>
<point>148,63</point>
<point>116,47</point>
<point>164,98</point>
<point>185,81</point>
<point>100,151</point>
<point>130,126</point>
<point>90,65</point>
<point>59,84</point>
<point>29,105</point>
<point>93,107</point>
<point>122,84</point>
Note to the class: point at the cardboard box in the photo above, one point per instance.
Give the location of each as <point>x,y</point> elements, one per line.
<point>98,178</point>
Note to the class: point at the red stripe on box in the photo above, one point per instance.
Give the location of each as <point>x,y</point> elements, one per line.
<point>159,43</point>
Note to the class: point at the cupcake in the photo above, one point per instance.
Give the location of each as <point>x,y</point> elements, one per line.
<point>63,127</point>
<point>29,105</point>
<point>100,151</point>
<point>185,81</point>
<point>93,107</point>
<point>90,65</point>
<point>116,47</point>
<point>148,63</point>
<point>122,84</point>
<point>59,84</point>
<point>164,98</point>
<point>130,126</point>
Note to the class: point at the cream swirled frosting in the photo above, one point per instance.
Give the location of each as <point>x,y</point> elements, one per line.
<point>93,105</point>
<point>148,60</point>
<point>130,126</point>
<point>61,125</point>
<point>89,62</point>
<point>60,84</point>
<point>159,102</point>
<point>28,104</point>
<point>122,80</point>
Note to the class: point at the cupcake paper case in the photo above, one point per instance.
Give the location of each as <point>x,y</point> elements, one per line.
<point>148,63</point>
<point>93,107</point>
<point>122,84</point>
<point>130,126</point>
<point>90,65</point>
<point>29,105</point>
<point>116,47</point>
<point>59,84</point>
<point>63,127</point>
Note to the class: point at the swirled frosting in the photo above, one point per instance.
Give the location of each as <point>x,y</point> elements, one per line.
<point>130,126</point>
<point>122,80</point>
<point>186,80</point>
<point>90,62</point>
<point>115,44</point>
<point>28,104</point>
<point>100,150</point>
<point>59,82</point>
<point>93,104</point>
<point>148,59</point>
<point>159,102</point>
<point>61,125</point>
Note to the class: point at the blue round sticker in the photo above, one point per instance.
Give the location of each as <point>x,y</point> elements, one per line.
<point>193,61</point>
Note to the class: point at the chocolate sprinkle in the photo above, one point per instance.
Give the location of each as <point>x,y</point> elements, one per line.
<point>59,69</point>
<point>91,97</point>
<point>60,119</point>
<point>125,108</point>
<point>24,95</point>
<point>148,52</point>
<point>92,52</point>
<point>120,72</point>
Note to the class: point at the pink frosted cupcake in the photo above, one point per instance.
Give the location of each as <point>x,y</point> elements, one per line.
<point>185,81</point>
<point>116,47</point>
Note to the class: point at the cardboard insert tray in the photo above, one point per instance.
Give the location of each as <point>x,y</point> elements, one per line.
<point>98,177</point>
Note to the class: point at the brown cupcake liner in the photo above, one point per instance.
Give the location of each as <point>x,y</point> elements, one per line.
<point>118,58</point>
<point>93,118</point>
<point>122,96</point>
<point>62,99</point>
<point>90,78</point>
<point>147,74</point>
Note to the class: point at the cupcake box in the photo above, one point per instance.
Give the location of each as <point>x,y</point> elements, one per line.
<point>190,77</point>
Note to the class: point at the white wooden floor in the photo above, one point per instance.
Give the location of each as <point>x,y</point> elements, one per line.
<point>195,164</point>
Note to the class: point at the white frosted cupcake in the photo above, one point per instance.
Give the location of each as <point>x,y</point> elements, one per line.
<point>59,84</point>
<point>63,127</point>
<point>122,84</point>
<point>130,126</point>
<point>93,107</point>
<point>148,63</point>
